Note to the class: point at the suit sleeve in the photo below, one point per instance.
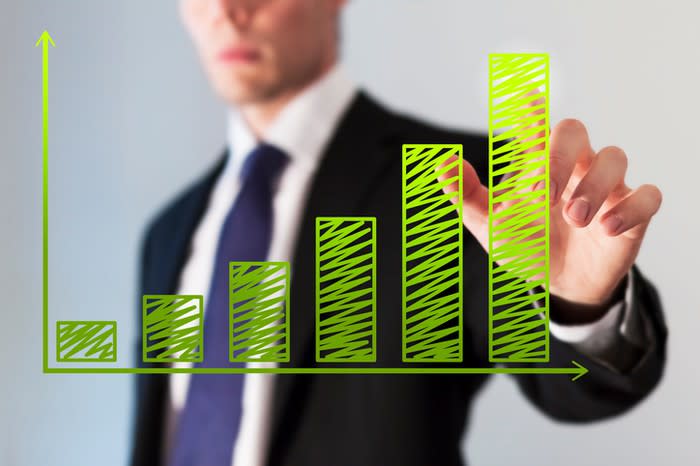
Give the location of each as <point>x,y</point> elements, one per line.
<point>604,391</point>
<point>619,339</point>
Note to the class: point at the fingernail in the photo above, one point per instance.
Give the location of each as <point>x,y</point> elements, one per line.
<point>579,210</point>
<point>612,224</point>
<point>552,191</point>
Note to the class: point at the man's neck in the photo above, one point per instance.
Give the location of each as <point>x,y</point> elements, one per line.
<point>260,115</point>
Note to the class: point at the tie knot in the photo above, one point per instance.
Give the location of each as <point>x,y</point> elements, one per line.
<point>263,164</point>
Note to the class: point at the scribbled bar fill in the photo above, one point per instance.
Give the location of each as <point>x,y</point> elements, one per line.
<point>432,254</point>
<point>172,328</point>
<point>259,312</point>
<point>86,341</point>
<point>346,289</point>
<point>518,207</point>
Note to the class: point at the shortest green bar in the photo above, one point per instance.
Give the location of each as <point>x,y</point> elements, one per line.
<point>86,341</point>
<point>173,328</point>
<point>259,312</point>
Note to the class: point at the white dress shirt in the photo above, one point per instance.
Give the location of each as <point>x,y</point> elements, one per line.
<point>302,130</point>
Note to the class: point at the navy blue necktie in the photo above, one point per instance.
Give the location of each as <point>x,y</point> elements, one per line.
<point>209,423</point>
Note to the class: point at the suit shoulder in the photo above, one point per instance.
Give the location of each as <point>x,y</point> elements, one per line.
<point>371,109</point>
<point>433,133</point>
<point>404,128</point>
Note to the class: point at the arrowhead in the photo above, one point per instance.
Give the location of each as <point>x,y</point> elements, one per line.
<point>45,39</point>
<point>580,373</point>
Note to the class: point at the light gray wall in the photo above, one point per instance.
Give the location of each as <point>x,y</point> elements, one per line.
<point>132,119</point>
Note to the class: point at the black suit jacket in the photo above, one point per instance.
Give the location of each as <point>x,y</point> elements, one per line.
<point>322,420</point>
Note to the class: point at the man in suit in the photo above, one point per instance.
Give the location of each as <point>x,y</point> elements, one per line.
<point>304,142</point>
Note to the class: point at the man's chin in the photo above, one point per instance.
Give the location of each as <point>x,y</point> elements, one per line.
<point>245,95</point>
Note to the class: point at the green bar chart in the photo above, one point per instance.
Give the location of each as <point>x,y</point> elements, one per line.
<point>346,277</point>
<point>259,312</point>
<point>346,289</point>
<point>518,207</point>
<point>432,255</point>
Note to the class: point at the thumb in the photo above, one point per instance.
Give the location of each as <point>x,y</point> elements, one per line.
<point>475,197</point>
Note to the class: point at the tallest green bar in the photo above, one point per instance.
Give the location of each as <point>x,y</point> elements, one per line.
<point>518,207</point>
<point>432,254</point>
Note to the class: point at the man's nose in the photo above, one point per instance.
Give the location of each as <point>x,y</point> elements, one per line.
<point>239,12</point>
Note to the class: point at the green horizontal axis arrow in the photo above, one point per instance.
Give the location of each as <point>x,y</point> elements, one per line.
<point>577,371</point>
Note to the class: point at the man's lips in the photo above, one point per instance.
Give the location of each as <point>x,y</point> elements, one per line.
<point>239,54</point>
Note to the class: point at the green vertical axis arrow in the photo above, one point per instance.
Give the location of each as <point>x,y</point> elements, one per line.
<point>44,40</point>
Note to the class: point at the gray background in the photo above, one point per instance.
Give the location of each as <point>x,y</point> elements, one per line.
<point>133,118</point>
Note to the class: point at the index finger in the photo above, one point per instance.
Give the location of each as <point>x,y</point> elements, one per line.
<point>569,147</point>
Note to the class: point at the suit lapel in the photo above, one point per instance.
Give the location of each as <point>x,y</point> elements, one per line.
<point>168,249</point>
<point>351,165</point>
<point>173,241</point>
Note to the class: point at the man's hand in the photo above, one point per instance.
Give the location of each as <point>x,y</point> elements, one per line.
<point>597,222</point>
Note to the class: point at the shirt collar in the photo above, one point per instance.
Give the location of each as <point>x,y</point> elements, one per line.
<point>303,127</point>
